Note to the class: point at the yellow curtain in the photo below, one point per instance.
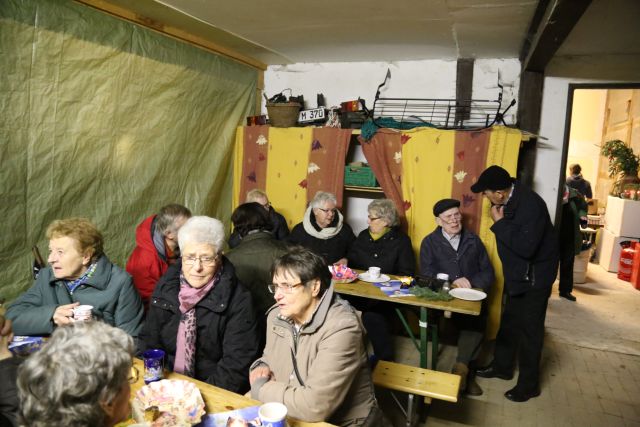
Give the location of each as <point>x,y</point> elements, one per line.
<point>428,174</point>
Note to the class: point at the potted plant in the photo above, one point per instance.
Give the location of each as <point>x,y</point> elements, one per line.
<point>623,165</point>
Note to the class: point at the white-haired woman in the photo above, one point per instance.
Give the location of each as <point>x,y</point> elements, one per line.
<point>323,230</point>
<point>383,244</point>
<point>81,377</point>
<point>200,315</point>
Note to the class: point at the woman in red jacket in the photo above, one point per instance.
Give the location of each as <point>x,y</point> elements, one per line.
<point>156,248</point>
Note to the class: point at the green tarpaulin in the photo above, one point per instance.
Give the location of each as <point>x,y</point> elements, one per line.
<point>104,119</point>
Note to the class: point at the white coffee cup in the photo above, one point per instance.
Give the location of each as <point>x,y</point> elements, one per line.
<point>82,313</point>
<point>273,414</point>
<point>374,272</point>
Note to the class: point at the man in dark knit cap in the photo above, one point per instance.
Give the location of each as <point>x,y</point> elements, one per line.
<point>459,253</point>
<point>528,249</point>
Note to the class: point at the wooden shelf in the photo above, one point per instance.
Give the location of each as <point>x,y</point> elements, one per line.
<point>356,188</point>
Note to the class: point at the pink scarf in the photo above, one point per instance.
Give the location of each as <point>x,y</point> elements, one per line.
<point>187,333</point>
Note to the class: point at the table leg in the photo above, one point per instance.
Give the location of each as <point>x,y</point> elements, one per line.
<point>423,337</point>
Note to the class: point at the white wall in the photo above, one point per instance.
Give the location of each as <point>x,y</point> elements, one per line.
<point>345,81</point>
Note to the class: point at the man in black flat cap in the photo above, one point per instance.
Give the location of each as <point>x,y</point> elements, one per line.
<point>459,253</point>
<point>528,249</point>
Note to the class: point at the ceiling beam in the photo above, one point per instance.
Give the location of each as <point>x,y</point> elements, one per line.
<point>556,19</point>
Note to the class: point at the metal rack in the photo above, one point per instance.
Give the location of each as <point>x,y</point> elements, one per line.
<point>438,113</point>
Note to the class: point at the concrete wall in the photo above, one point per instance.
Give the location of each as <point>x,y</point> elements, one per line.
<point>344,81</point>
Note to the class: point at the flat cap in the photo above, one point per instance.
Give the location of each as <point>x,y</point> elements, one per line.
<point>493,178</point>
<point>445,205</point>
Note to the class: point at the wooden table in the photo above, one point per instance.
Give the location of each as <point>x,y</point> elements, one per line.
<point>216,399</point>
<point>364,289</point>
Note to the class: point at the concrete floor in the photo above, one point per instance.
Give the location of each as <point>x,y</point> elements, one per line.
<point>590,366</point>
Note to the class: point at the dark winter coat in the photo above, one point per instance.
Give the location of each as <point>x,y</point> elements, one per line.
<point>527,242</point>
<point>392,253</point>
<point>580,184</point>
<point>470,260</point>
<point>226,342</point>
<point>9,402</point>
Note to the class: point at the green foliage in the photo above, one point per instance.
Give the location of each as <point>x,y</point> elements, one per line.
<point>427,293</point>
<point>621,158</point>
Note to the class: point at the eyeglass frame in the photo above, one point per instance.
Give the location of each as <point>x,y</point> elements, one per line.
<point>455,216</point>
<point>327,211</point>
<point>273,288</point>
<point>191,261</point>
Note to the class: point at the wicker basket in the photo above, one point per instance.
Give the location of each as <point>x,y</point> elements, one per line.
<point>283,115</point>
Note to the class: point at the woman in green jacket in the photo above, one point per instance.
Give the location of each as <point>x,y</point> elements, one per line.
<point>79,273</point>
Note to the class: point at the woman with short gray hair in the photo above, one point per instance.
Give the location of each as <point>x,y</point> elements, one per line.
<point>200,314</point>
<point>323,230</point>
<point>79,378</point>
<point>383,244</point>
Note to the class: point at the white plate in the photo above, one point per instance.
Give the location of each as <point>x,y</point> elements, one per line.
<point>467,294</point>
<point>365,276</point>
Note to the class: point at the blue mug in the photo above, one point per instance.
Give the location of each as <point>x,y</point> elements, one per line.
<point>153,365</point>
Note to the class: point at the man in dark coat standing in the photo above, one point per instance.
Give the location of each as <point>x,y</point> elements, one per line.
<point>528,249</point>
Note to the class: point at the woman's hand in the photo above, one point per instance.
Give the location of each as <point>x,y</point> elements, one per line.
<point>64,314</point>
<point>342,261</point>
<point>261,371</point>
<point>5,338</point>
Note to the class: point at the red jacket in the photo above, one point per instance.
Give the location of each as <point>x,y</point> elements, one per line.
<point>145,264</point>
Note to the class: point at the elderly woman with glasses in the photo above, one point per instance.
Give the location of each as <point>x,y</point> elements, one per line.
<point>81,377</point>
<point>383,244</point>
<point>200,314</point>
<point>315,358</point>
<point>323,230</point>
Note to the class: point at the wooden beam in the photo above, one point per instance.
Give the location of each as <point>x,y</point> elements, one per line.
<point>464,88</point>
<point>560,18</point>
<point>530,106</point>
<point>173,32</point>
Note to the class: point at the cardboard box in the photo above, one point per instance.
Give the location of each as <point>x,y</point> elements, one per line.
<point>609,250</point>
<point>622,216</point>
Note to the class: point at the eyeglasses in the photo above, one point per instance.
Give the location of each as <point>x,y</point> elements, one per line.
<point>285,289</point>
<point>451,218</point>
<point>373,218</point>
<point>327,211</point>
<point>133,375</point>
<point>206,261</point>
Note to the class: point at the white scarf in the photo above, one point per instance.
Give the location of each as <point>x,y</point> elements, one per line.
<point>325,233</point>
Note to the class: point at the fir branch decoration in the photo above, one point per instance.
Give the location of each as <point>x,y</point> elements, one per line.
<point>427,293</point>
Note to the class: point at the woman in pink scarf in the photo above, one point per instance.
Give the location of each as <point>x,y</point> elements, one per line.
<point>200,315</point>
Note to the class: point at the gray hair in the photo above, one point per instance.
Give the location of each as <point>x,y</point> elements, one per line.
<point>82,366</point>
<point>385,209</point>
<point>202,229</point>
<point>321,198</point>
<point>255,195</point>
<point>168,215</point>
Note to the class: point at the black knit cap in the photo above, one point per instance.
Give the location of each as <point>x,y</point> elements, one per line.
<point>444,205</point>
<point>493,178</point>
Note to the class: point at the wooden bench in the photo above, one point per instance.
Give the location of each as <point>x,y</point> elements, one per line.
<point>416,381</point>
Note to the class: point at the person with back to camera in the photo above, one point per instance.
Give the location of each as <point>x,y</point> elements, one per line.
<point>156,248</point>
<point>382,245</point>
<point>576,180</point>
<point>79,273</point>
<point>459,253</point>
<point>9,403</point>
<point>323,230</point>
<point>199,313</point>
<point>315,360</point>
<point>81,377</point>
<point>278,228</point>
<point>253,257</point>
<point>528,248</point>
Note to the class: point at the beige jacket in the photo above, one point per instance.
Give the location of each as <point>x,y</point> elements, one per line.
<point>332,363</point>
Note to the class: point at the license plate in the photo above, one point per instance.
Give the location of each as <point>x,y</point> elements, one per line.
<point>311,115</point>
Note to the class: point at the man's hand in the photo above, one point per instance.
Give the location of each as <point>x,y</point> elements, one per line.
<point>461,282</point>
<point>5,338</point>
<point>497,212</point>
<point>262,371</point>
<point>64,314</point>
